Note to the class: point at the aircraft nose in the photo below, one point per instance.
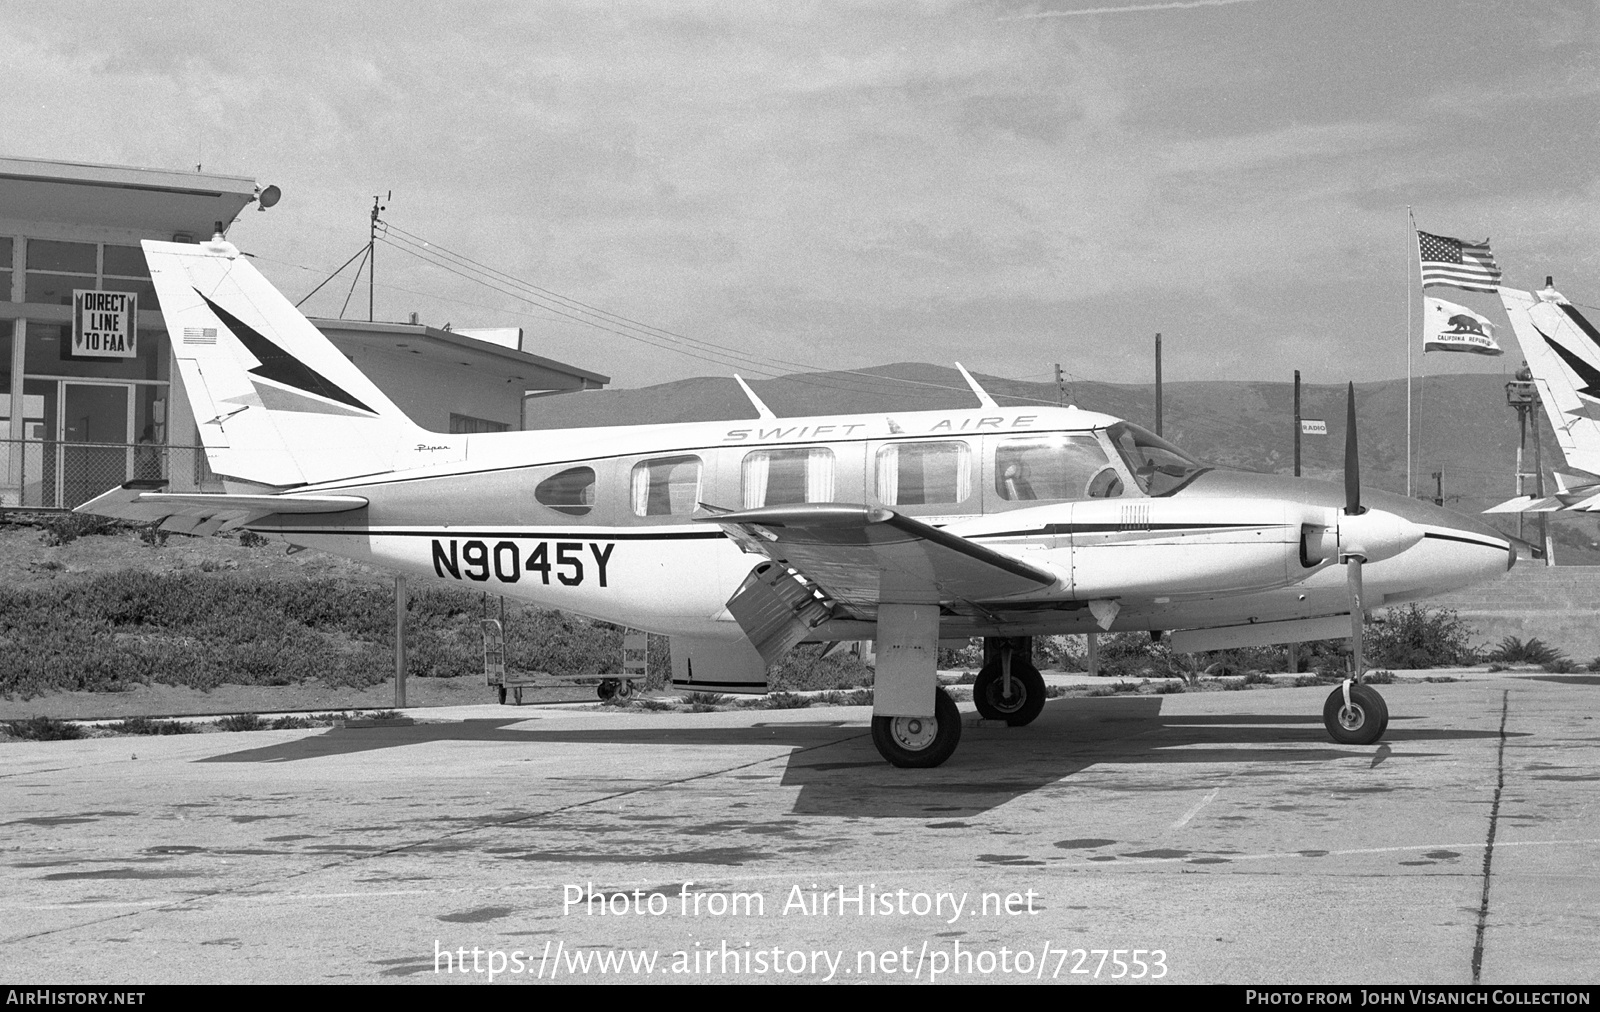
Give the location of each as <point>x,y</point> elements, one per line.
<point>1453,551</point>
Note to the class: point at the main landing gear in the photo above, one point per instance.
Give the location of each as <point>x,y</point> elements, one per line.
<point>1009,687</point>
<point>1355,714</point>
<point>920,742</point>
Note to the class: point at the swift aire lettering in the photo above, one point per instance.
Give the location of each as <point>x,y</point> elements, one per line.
<point>993,423</point>
<point>479,561</point>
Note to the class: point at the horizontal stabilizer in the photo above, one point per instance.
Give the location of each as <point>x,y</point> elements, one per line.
<point>203,513</point>
<point>1527,504</point>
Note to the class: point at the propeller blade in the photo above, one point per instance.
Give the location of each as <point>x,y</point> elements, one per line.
<point>1352,459</point>
<point>1357,615</point>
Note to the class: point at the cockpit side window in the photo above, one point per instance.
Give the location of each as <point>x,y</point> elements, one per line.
<point>1055,467</point>
<point>1159,467</point>
<point>570,491</point>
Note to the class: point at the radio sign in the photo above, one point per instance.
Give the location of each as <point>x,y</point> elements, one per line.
<point>105,324</point>
<point>1314,426</point>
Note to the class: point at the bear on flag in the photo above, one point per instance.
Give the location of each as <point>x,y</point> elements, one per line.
<point>1449,327</point>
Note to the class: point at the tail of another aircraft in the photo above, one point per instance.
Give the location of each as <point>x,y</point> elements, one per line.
<point>1563,353</point>
<point>276,404</point>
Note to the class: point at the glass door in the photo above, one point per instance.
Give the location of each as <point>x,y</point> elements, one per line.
<point>95,440</point>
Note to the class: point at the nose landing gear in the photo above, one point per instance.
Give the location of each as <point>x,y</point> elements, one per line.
<point>1355,714</point>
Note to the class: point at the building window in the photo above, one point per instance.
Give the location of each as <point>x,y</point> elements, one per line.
<point>56,268</point>
<point>667,486</point>
<point>919,474</point>
<point>468,424</point>
<point>780,477</point>
<point>5,269</point>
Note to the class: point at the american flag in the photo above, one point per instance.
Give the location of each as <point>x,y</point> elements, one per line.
<point>1447,261</point>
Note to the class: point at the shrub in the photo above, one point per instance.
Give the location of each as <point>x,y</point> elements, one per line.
<point>144,725</point>
<point>1417,636</point>
<point>242,722</point>
<point>1379,677</point>
<point>854,697</point>
<point>1171,687</point>
<point>44,729</point>
<point>782,701</point>
<point>65,528</point>
<point>804,669</point>
<point>1513,651</point>
<point>969,656</point>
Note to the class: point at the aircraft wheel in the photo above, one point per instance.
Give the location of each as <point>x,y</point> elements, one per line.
<point>1362,722</point>
<point>919,742</point>
<point>624,688</point>
<point>1027,693</point>
<point>607,688</point>
<point>502,689</point>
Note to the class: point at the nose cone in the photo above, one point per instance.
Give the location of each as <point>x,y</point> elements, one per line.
<point>1453,551</point>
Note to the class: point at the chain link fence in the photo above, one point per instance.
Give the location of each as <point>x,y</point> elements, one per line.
<point>58,474</point>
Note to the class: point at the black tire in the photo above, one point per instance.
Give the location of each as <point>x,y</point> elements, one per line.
<point>607,688</point>
<point>624,688</point>
<point>910,743</point>
<point>1027,693</point>
<point>502,689</point>
<point>1363,724</point>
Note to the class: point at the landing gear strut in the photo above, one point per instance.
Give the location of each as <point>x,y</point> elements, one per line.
<point>919,742</point>
<point>1009,687</point>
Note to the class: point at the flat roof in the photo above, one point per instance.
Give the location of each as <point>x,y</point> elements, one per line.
<point>156,202</point>
<point>506,360</point>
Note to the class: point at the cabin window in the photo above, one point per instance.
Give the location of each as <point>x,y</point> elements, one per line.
<point>917,474</point>
<point>666,486</point>
<point>780,477</point>
<point>570,491</point>
<point>1056,467</point>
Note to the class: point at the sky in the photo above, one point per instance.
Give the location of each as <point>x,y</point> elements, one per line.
<point>778,187</point>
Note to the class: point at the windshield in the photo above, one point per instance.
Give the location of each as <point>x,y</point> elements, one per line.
<point>1157,465</point>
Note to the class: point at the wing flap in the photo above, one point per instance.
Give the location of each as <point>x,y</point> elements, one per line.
<point>864,555</point>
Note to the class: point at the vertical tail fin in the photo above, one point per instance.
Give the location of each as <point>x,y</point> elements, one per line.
<point>1563,352</point>
<point>275,402</point>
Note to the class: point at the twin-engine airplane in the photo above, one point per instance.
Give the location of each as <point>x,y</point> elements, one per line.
<point>1562,350</point>
<point>742,539</point>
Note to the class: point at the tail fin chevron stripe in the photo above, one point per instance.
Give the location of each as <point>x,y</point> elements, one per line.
<point>278,365</point>
<point>275,403</point>
<point>1563,351</point>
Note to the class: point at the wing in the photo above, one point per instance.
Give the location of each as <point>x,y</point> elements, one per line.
<point>834,558</point>
<point>204,513</point>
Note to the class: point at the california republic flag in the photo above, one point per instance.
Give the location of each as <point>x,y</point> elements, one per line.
<point>1449,327</point>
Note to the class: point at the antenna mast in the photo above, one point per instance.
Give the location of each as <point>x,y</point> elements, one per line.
<point>372,247</point>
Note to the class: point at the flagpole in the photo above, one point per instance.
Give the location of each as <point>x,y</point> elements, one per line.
<point>1411,237</point>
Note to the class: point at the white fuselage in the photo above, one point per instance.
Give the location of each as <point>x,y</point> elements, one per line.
<point>602,522</point>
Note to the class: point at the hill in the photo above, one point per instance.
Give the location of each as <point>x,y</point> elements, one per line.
<point>1461,425</point>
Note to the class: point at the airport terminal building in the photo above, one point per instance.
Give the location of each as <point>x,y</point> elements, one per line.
<point>87,381</point>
